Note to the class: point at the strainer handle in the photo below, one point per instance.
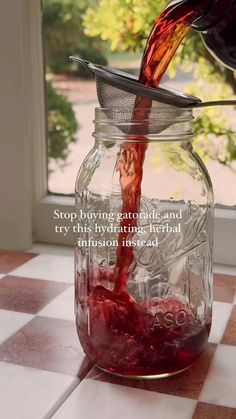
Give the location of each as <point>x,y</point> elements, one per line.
<point>215,103</point>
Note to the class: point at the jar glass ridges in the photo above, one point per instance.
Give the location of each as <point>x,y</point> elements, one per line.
<point>158,323</point>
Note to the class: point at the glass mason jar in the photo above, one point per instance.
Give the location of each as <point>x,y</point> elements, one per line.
<point>143,256</point>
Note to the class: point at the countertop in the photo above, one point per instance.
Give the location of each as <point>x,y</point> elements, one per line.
<point>44,372</point>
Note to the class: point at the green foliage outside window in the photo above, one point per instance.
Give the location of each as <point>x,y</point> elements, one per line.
<point>64,36</point>
<point>62,124</point>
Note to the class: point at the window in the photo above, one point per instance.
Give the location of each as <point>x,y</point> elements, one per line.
<point>23,70</point>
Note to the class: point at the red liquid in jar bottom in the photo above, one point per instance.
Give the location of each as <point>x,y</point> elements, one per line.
<point>148,338</point>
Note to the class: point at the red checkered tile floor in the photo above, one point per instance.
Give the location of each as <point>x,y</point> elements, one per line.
<point>44,373</point>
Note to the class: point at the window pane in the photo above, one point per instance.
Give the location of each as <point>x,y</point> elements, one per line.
<point>71,97</point>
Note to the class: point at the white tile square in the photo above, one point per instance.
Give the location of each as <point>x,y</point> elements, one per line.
<point>62,307</point>
<point>48,267</point>
<point>96,399</point>
<point>28,393</point>
<point>11,322</point>
<point>50,249</point>
<point>220,385</point>
<point>221,314</point>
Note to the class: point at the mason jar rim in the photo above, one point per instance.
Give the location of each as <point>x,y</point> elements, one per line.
<point>163,122</point>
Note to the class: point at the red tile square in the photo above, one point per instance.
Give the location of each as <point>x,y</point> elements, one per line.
<point>48,344</point>
<point>10,260</point>
<point>210,411</point>
<point>229,337</point>
<point>187,384</point>
<point>227,281</point>
<point>224,294</point>
<point>224,288</point>
<point>28,295</point>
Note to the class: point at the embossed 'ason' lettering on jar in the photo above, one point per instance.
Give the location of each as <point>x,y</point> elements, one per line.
<point>143,310</point>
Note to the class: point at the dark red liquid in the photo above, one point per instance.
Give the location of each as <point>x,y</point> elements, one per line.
<point>119,334</point>
<point>166,36</point>
<point>139,338</point>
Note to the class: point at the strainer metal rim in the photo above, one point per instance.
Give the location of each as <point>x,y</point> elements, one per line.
<point>117,79</point>
<point>169,96</point>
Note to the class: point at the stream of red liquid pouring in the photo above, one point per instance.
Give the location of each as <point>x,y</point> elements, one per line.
<point>167,34</point>
<point>120,334</point>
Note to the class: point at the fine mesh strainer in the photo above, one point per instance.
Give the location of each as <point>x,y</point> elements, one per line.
<point>119,89</point>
